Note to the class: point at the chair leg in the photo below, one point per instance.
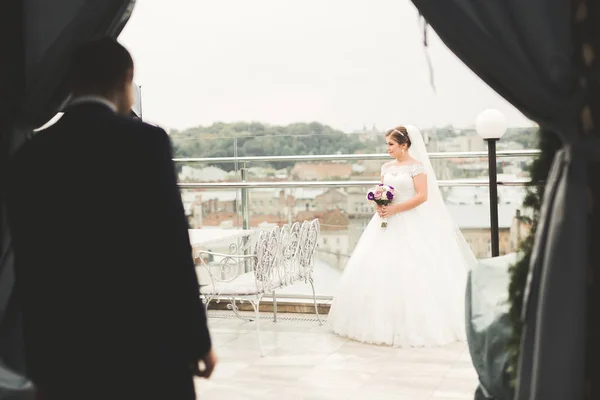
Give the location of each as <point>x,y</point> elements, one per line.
<point>256,306</point>
<point>274,306</point>
<point>315,301</point>
<point>206,301</point>
<point>233,307</point>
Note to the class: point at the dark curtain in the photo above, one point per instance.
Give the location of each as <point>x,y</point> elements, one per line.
<point>524,50</point>
<point>35,39</point>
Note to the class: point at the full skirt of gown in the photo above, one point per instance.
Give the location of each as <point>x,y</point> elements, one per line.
<point>403,286</point>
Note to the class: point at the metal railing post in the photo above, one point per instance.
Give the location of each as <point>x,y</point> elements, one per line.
<point>245,214</point>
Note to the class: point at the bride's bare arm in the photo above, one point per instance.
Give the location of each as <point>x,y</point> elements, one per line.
<point>419,198</point>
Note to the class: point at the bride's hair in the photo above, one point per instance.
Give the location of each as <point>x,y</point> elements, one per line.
<point>399,135</point>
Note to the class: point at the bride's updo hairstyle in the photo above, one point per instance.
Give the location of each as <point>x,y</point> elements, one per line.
<point>399,135</point>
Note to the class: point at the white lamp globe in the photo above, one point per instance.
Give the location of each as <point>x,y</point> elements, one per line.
<point>491,124</point>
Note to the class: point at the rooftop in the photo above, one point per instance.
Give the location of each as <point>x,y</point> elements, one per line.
<point>305,361</point>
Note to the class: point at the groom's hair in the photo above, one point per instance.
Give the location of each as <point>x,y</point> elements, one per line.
<point>98,66</point>
<point>399,135</point>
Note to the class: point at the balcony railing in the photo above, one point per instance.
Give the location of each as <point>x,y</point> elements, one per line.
<point>355,157</point>
<point>329,184</point>
<point>245,186</point>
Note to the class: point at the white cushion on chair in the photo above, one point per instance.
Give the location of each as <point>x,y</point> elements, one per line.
<point>242,285</point>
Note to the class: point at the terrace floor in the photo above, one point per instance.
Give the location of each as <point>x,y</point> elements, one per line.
<point>303,360</point>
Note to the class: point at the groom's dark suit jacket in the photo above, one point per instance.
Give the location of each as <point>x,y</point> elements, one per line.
<point>104,268</point>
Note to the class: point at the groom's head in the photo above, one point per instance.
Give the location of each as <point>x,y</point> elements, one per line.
<point>103,67</point>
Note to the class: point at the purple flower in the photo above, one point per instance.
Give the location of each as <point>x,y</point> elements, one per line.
<point>389,195</point>
<point>381,184</point>
<point>391,187</point>
<point>370,196</point>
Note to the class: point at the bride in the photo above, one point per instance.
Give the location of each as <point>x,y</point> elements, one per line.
<point>404,285</point>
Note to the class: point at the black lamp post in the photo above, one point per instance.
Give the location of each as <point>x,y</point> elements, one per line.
<point>491,125</point>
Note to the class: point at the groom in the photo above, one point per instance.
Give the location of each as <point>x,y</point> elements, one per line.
<point>105,275</point>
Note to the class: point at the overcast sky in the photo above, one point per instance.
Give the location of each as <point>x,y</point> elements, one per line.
<point>345,63</point>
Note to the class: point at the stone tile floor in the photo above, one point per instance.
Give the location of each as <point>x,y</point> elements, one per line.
<point>303,360</point>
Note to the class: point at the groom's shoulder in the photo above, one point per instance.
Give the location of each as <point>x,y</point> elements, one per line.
<point>133,125</point>
<point>138,131</point>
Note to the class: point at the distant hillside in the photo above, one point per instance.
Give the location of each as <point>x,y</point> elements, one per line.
<point>528,137</point>
<point>257,139</point>
<point>525,136</point>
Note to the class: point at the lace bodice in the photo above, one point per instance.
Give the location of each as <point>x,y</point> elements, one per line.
<point>401,178</point>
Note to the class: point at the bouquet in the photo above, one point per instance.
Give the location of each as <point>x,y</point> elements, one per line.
<point>382,195</point>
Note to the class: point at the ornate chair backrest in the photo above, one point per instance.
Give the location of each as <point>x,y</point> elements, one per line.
<point>290,240</point>
<point>267,255</point>
<point>280,257</point>
<point>308,249</point>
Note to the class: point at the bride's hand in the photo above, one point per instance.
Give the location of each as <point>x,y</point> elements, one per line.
<point>387,211</point>
<point>378,209</point>
<point>384,212</point>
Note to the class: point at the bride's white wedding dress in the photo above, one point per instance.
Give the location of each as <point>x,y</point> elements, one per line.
<point>404,285</point>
